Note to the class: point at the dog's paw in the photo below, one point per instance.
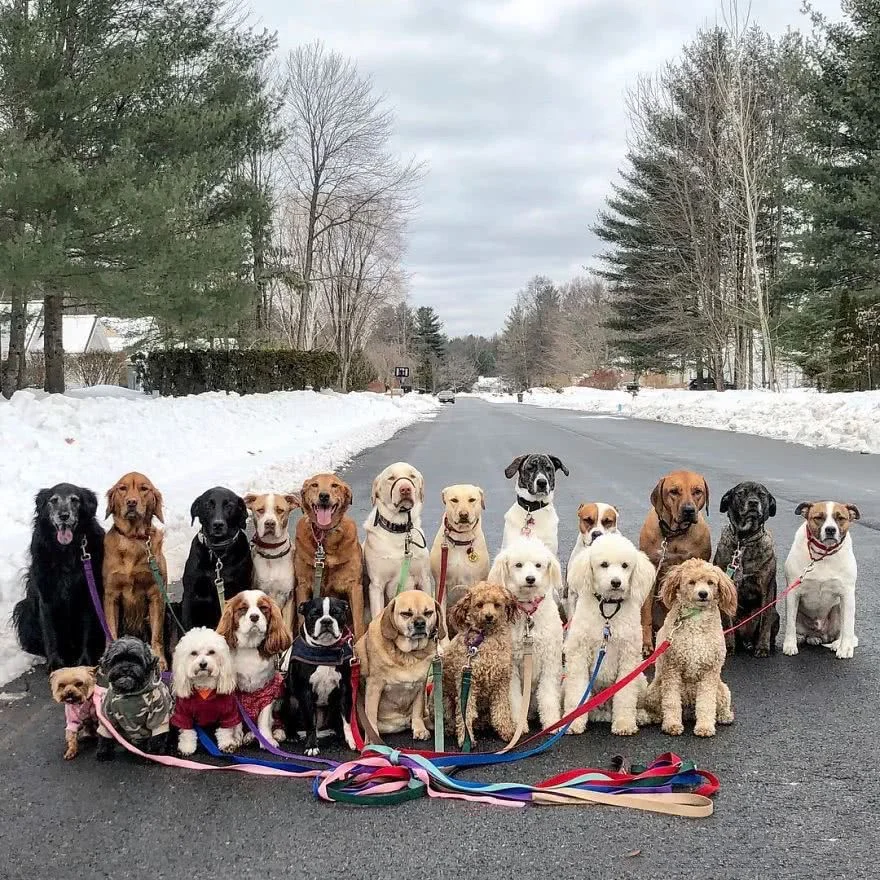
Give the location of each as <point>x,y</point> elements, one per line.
<point>845,650</point>
<point>186,749</point>
<point>577,727</point>
<point>724,718</point>
<point>624,729</point>
<point>814,641</point>
<point>279,735</point>
<point>704,730</point>
<point>731,648</point>
<point>247,738</point>
<point>70,753</point>
<point>670,729</point>
<point>789,648</point>
<point>644,718</point>
<point>647,649</point>
<point>313,751</point>
<point>762,651</point>
<point>420,732</point>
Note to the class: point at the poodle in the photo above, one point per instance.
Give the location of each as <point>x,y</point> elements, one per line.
<point>688,675</point>
<point>613,578</point>
<point>532,573</point>
<point>483,617</point>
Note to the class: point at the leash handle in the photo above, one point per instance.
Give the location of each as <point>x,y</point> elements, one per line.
<point>437,695</point>
<point>318,579</point>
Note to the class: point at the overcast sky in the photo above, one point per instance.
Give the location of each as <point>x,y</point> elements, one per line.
<point>517,106</point>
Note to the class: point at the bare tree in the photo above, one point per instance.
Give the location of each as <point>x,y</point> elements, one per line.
<point>338,161</point>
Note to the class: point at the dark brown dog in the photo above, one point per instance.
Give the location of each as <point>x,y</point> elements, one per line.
<point>133,603</point>
<point>674,530</point>
<point>325,499</point>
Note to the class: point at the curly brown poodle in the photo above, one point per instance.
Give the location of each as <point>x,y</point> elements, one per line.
<point>688,675</point>
<point>482,618</point>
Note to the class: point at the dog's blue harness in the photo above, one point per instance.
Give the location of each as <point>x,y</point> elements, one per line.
<point>321,655</point>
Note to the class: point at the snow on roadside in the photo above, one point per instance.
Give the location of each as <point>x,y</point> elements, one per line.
<point>185,445</point>
<point>842,421</point>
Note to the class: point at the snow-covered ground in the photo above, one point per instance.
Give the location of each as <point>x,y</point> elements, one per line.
<point>185,445</point>
<point>842,421</point>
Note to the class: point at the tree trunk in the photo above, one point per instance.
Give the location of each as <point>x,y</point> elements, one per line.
<point>13,373</point>
<point>53,343</point>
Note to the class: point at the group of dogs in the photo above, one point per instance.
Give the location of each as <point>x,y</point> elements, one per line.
<point>270,626</point>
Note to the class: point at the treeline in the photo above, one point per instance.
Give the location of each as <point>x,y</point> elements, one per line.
<point>744,227</point>
<point>157,158</point>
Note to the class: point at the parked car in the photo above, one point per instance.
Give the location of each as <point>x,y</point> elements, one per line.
<point>707,383</point>
<point>446,396</point>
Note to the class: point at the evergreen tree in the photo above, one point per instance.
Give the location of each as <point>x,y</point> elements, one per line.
<point>430,346</point>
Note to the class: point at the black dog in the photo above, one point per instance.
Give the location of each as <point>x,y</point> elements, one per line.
<point>319,673</point>
<point>220,542</point>
<point>137,702</point>
<point>537,474</point>
<point>748,506</point>
<point>56,619</point>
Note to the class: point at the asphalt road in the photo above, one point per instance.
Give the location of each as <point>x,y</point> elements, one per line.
<point>799,768</point>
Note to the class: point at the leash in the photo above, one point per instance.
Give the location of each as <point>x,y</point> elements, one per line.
<point>86,558</point>
<point>317,580</point>
<point>437,696</point>
<point>793,585</point>
<point>817,550</point>
<point>465,689</point>
<point>444,562</point>
<point>160,582</point>
<point>522,724</point>
<point>218,565</point>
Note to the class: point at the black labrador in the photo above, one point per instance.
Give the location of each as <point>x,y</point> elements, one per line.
<point>220,549</point>
<point>748,506</point>
<point>56,619</point>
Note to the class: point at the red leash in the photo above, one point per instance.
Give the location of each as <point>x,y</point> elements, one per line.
<point>795,583</point>
<point>444,561</point>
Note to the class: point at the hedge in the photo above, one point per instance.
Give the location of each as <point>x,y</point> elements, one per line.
<point>177,372</point>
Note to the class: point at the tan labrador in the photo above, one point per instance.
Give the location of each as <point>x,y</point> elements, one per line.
<point>398,499</point>
<point>467,561</point>
<point>395,655</point>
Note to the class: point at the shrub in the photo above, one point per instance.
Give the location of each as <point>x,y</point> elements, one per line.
<point>604,379</point>
<point>97,368</point>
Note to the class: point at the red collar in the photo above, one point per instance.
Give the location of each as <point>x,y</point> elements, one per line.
<point>258,542</point>
<point>817,549</point>
<point>531,607</point>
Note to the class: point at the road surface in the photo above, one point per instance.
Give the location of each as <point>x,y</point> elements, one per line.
<point>798,769</point>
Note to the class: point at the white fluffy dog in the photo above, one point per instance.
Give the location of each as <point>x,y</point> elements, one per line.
<point>203,684</point>
<point>532,573</point>
<point>613,579</point>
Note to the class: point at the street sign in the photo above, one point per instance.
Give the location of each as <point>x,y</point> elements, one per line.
<point>401,372</point>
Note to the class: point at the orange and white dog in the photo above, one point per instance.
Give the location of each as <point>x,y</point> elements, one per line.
<point>822,609</point>
<point>271,548</point>
<point>595,518</point>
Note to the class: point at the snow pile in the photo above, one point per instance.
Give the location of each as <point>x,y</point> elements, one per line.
<point>185,445</point>
<point>842,421</point>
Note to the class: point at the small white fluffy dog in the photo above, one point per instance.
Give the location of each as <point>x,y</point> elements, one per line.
<point>202,663</point>
<point>398,499</point>
<point>595,518</point>
<point>532,573</point>
<point>822,610</point>
<point>613,580</point>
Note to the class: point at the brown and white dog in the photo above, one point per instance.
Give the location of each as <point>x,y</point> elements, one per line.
<point>674,531</point>
<point>325,500</point>
<point>271,548</point>
<point>595,518</point>
<point>133,602</point>
<point>467,559</point>
<point>821,610</point>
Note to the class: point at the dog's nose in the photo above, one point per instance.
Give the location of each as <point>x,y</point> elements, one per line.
<point>753,503</point>
<point>203,664</point>
<point>702,594</point>
<point>218,527</point>
<point>64,517</point>
<point>688,508</point>
<point>324,497</point>
<point>132,503</point>
<point>541,482</point>
<point>830,531</point>
<point>615,582</point>
<point>489,617</point>
<point>406,490</point>
<point>530,579</point>
<point>595,534</point>
<point>269,524</point>
<point>419,625</point>
<point>254,616</point>
<point>463,517</point>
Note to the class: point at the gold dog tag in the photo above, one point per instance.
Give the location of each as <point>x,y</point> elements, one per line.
<point>473,556</point>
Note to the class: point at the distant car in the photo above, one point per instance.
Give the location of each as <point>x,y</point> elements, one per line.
<point>446,397</point>
<point>707,383</point>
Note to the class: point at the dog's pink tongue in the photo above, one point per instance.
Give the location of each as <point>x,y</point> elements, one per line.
<point>324,515</point>
<point>65,535</point>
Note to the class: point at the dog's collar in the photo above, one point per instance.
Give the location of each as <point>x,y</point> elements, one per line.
<point>217,547</point>
<point>262,545</point>
<point>817,550</point>
<point>447,529</point>
<point>530,607</point>
<point>667,531</point>
<point>393,527</point>
<point>618,603</point>
<point>148,533</point>
<point>531,506</point>
<point>339,652</point>
<point>472,641</point>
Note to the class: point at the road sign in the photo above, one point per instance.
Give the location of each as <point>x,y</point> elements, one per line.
<point>401,372</point>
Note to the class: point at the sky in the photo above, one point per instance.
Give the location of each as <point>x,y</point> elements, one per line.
<point>517,106</point>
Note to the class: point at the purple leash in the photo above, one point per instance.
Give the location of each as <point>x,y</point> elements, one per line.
<point>93,589</point>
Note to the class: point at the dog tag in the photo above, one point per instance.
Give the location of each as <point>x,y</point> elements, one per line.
<point>473,556</point>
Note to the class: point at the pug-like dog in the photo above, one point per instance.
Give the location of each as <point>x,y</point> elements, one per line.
<point>746,551</point>
<point>533,512</point>
<point>136,701</point>
<point>395,655</point>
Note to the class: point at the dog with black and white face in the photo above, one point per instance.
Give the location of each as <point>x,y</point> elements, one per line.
<point>319,694</point>
<point>533,512</point>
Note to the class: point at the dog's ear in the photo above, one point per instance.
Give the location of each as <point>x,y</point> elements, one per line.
<point>643,578</point>
<point>498,572</point>
<point>181,684</point>
<point>557,463</point>
<point>226,627</point>
<point>42,499</point>
<point>671,585</point>
<point>158,501</point>
<point>854,513</point>
<point>458,614</point>
<point>771,505</point>
<point>803,508</point>
<point>443,497</point>
<point>374,492</point>
<point>726,498</point>
<point>89,503</point>
<point>727,599</point>
<point>555,575</point>
<point>226,681</point>
<point>514,466</point>
<point>421,482</point>
<point>278,637</point>
<point>658,497</point>
<point>111,492</point>
<point>511,607</point>
<point>580,572</point>
<point>249,499</point>
<point>194,510</point>
<point>346,494</point>
<point>441,623</point>
<point>346,610</point>
<point>482,499</point>
<point>301,609</point>
<point>293,499</point>
<point>52,676</point>
<point>388,628</point>
<point>242,513</point>
<point>706,490</point>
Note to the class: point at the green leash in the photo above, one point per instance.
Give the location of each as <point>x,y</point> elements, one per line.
<point>407,561</point>
<point>160,583</point>
<point>467,745</point>
<point>437,676</point>
<point>318,579</point>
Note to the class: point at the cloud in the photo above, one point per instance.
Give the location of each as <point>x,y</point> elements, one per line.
<point>518,108</point>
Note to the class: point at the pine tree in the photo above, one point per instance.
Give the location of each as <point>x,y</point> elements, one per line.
<point>127,124</point>
<point>430,346</point>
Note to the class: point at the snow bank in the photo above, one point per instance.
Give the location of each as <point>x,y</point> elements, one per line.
<point>842,421</point>
<point>185,445</point>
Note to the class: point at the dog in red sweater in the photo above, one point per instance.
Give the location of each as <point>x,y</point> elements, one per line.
<point>204,687</point>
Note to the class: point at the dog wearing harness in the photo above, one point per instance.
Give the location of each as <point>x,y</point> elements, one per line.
<point>533,513</point>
